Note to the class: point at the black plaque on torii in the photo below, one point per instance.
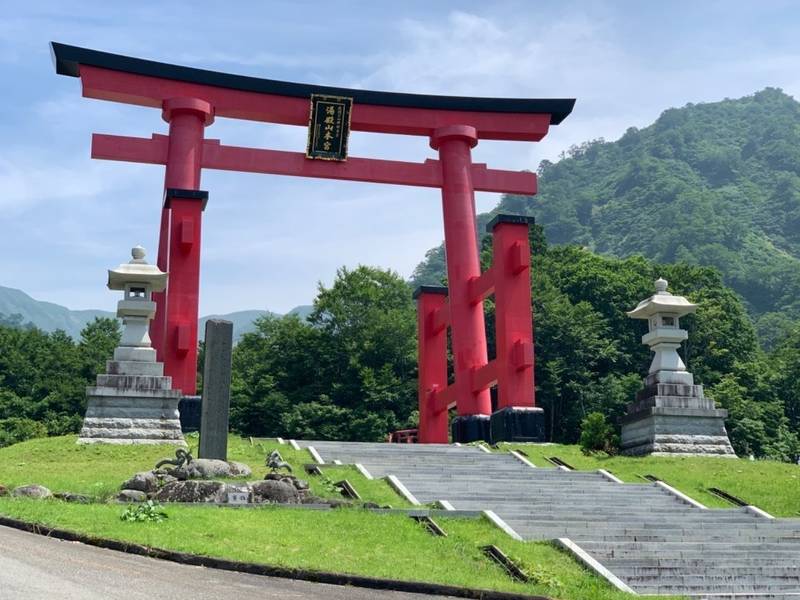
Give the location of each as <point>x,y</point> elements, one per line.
<point>329,127</point>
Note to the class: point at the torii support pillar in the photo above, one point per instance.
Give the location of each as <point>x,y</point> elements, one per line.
<point>517,418</point>
<point>454,144</point>
<point>174,329</point>
<point>182,297</point>
<point>432,377</point>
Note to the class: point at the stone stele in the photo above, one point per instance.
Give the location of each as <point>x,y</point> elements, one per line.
<point>671,416</point>
<point>133,403</point>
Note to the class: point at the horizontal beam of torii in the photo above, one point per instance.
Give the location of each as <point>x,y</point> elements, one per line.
<point>279,162</point>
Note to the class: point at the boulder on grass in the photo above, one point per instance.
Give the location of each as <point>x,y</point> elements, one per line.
<point>210,468</point>
<point>148,481</point>
<point>299,484</point>
<point>31,491</point>
<point>275,491</point>
<point>75,498</point>
<point>191,491</point>
<point>131,496</point>
<point>3,490</point>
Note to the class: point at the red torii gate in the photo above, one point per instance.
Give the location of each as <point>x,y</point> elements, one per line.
<point>190,99</point>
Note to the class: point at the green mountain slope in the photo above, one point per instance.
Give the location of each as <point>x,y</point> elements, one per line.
<point>713,184</point>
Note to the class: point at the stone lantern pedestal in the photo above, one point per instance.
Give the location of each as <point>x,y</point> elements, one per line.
<point>133,403</point>
<point>671,416</point>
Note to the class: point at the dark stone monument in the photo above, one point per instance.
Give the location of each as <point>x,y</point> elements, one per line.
<point>189,409</point>
<point>216,390</point>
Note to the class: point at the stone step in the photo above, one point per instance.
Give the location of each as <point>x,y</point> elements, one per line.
<point>654,541</point>
<point>702,589</point>
<point>532,491</point>
<point>610,551</point>
<point>634,536</point>
<point>534,507</point>
<point>750,582</point>
<point>643,515</point>
<point>787,571</point>
<point>674,526</point>
<point>622,564</point>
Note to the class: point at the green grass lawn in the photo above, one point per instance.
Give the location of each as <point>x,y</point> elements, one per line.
<point>344,540</point>
<point>770,485</point>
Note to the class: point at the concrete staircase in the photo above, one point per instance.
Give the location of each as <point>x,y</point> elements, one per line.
<point>642,537</point>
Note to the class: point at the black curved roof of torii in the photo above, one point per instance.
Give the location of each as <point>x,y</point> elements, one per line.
<point>68,59</point>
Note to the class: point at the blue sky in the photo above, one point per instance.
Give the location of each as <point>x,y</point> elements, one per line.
<point>268,240</point>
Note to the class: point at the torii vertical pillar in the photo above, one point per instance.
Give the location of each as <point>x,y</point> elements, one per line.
<point>174,330</point>
<point>454,144</point>
<point>180,352</point>
<point>517,418</point>
<point>432,377</point>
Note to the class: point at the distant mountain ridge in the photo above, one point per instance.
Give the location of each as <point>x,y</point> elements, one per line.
<point>49,316</point>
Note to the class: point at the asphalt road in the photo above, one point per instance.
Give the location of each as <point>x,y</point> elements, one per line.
<point>34,567</point>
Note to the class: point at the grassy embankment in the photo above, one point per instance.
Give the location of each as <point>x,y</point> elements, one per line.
<point>344,540</point>
<point>98,470</point>
<point>772,486</point>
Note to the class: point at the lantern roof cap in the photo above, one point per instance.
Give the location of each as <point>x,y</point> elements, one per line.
<point>138,270</point>
<point>662,302</point>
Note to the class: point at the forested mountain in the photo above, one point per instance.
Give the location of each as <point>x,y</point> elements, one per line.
<point>708,184</point>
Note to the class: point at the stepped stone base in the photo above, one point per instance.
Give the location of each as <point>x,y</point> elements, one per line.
<point>674,419</point>
<point>470,428</point>
<point>132,403</point>
<point>516,424</point>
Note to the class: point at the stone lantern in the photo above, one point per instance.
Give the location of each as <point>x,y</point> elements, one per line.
<point>664,335</point>
<point>671,415</point>
<point>138,279</point>
<point>133,403</point>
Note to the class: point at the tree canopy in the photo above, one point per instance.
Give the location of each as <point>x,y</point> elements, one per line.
<point>348,372</point>
<point>43,376</point>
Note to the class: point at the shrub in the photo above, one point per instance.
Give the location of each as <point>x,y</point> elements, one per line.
<point>147,512</point>
<point>598,435</point>
<point>18,429</point>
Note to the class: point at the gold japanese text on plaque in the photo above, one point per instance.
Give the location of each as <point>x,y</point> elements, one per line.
<point>329,127</point>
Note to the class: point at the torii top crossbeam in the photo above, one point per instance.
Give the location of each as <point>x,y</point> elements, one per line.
<point>191,98</point>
